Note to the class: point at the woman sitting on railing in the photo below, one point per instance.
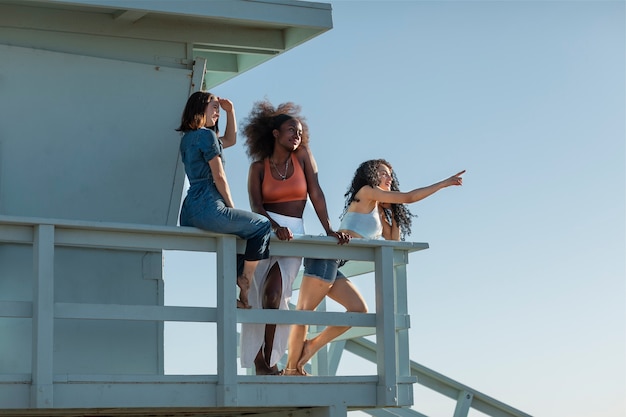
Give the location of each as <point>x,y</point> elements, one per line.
<point>374,208</point>
<point>208,204</point>
<point>282,177</point>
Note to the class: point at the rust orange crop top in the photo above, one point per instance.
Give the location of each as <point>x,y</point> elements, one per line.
<point>279,191</point>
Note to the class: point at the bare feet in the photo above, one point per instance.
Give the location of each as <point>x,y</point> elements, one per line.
<point>244,285</point>
<point>305,356</point>
<point>275,371</point>
<point>295,372</point>
<point>261,368</point>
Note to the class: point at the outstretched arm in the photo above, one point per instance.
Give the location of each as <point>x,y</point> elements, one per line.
<point>376,194</point>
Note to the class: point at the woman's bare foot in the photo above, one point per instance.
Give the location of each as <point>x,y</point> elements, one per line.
<point>261,368</point>
<point>276,371</point>
<point>295,372</point>
<point>290,371</point>
<point>305,356</point>
<point>244,285</point>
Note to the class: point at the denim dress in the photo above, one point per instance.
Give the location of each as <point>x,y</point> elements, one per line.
<point>204,206</point>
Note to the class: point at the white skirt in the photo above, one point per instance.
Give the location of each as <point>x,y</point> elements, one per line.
<point>253,334</point>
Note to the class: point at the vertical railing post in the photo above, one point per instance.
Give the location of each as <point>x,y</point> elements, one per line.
<point>463,403</point>
<point>41,395</point>
<point>402,310</point>
<point>385,327</point>
<point>226,321</point>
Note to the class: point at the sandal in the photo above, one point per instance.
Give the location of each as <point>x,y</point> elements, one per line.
<point>295,372</point>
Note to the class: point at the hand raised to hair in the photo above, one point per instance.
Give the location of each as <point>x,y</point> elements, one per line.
<point>225,104</point>
<point>342,238</point>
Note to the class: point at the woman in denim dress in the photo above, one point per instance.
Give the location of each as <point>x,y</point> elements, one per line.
<point>209,204</point>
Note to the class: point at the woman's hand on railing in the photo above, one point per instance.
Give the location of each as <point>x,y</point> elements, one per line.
<point>283,233</point>
<point>341,237</point>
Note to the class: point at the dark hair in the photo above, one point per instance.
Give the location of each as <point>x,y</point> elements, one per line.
<point>194,116</point>
<point>260,123</point>
<point>367,174</point>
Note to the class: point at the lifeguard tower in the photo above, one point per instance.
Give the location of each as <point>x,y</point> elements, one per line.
<point>90,187</point>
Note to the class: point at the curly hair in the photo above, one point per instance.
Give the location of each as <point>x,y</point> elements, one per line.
<point>194,116</point>
<point>261,122</point>
<point>367,174</point>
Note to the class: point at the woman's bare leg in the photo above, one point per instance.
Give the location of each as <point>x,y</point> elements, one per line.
<point>272,293</point>
<point>345,293</point>
<point>312,292</point>
<point>243,282</point>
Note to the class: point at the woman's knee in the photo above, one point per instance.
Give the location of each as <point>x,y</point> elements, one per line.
<point>357,307</point>
<point>272,298</point>
<point>305,304</point>
<point>263,226</point>
<point>273,288</point>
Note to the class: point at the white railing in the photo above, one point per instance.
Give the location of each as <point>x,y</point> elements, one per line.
<point>391,386</point>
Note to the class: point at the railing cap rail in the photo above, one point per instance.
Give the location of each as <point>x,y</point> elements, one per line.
<point>192,231</point>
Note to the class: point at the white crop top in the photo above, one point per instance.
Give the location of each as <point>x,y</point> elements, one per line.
<point>367,225</point>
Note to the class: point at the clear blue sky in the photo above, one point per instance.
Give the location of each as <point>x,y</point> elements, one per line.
<point>522,294</point>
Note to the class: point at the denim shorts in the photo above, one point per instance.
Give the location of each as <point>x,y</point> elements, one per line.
<point>324,269</point>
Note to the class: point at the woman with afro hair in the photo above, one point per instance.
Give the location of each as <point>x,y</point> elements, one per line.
<point>375,207</point>
<point>282,176</point>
